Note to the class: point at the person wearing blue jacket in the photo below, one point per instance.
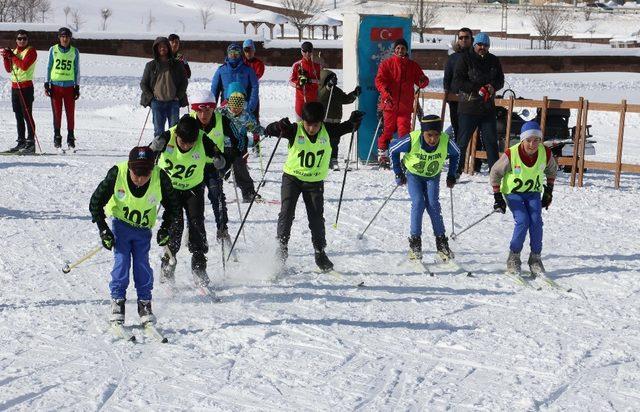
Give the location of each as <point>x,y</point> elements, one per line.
<point>425,153</point>
<point>234,70</point>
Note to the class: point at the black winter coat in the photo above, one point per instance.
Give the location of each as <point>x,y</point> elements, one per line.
<point>150,75</point>
<point>470,74</point>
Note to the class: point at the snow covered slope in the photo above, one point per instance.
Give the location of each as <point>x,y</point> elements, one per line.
<point>405,341</point>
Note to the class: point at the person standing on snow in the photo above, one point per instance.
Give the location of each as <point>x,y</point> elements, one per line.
<point>461,46</point>
<point>21,64</point>
<point>183,152</point>
<point>234,70</point>
<point>518,175</point>
<point>395,81</point>
<point>174,42</point>
<point>62,86</point>
<point>250,59</point>
<point>477,77</point>
<point>305,169</point>
<point>426,151</point>
<point>131,193</point>
<point>333,98</point>
<point>305,77</point>
<point>164,86</point>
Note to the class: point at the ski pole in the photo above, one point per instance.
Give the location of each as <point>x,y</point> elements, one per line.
<point>375,135</point>
<point>67,267</point>
<point>235,188</point>
<point>455,236</point>
<point>326,113</point>
<point>453,227</point>
<point>26,109</point>
<point>361,235</point>
<point>344,177</point>
<point>246,214</point>
<point>146,119</point>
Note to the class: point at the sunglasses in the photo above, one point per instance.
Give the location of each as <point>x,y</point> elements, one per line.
<point>21,38</point>
<point>234,53</point>
<point>307,51</point>
<point>248,49</point>
<point>464,37</point>
<point>482,45</point>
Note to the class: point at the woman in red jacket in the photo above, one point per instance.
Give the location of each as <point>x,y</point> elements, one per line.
<point>395,81</point>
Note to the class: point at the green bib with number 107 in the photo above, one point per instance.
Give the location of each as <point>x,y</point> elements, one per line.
<point>309,161</point>
<point>521,178</point>
<point>422,163</point>
<point>185,169</point>
<point>63,68</point>
<point>140,212</point>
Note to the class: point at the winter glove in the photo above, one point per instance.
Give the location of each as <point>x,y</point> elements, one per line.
<point>499,203</point>
<point>484,93</point>
<point>106,235</point>
<point>76,92</point>
<point>356,118</point>
<point>401,179</point>
<point>284,124</point>
<point>332,81</point>
<point>547,196</point>
<point>7,53</point>
<point>163,236</point>
<point>219,162</point>
<point>47,89</point>
<point>302,80</point>
<point>356,92</point>
<point>451,181</point>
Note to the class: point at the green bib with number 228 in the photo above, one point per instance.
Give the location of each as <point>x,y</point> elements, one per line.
<point>185,169</point>
<point>63,68</point>
<point>308,161</point>
<point>140,212</point>
<point>521,178</point>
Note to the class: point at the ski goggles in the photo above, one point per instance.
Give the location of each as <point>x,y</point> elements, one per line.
<point>233,53</point>
<point>203,106</point>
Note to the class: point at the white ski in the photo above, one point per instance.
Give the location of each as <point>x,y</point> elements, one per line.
<point>118,330</point>
<point>151,331</point>
<point>518,279</point>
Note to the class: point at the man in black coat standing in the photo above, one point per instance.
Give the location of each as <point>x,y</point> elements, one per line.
<point>477,77</point>
<point>460,46</point>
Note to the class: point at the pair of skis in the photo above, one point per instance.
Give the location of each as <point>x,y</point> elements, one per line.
<point>536,281</point>
<point>149,329</point>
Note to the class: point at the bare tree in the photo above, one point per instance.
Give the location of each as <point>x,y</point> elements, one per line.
<point>43,7</point>
<point>549,22</point>
<point>425,14</point>
<point>206,14</point>
<point>76,20</point>
<point>301,12</point>
<point>587,12</point>
<point>66,11</point>
<point>105,13</point>
<point>150,20</point>
<point>469,5</point>
<point>6,9</point>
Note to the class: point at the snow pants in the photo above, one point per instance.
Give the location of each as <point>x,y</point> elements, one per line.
<point>313,196</point>
<point>59,96</point>
<point>192,201</point>
<point>527,213</point>
<point>242,177</point>
<point>23,114</point>
<point>425,194</point>
<point>216,196</point>
<point>334,138</point>
<point>467,124</point>
<point>394,122</point>
<point>131,242</point>
<point>164,112</point>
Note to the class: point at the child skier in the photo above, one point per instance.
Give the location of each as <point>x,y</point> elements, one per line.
<point>333,98</point>
<point>305,169</point>
<point>131,193</point>
<point>426,151</point>
<point>183,152</point>
<point>242,121</point>
<point>518,175</point>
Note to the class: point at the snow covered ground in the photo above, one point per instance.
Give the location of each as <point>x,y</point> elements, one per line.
<point>313,342</point>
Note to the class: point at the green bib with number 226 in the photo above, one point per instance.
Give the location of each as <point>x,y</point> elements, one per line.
<point>521,178</point>
<point>308,161</point>
<point>140,212</point>
<point>185,169</point>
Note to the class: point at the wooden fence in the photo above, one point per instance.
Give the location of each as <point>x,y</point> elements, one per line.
<point>577,162</point>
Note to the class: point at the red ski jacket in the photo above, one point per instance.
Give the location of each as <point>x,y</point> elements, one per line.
<point>308,92</point>
<point>395,80</point>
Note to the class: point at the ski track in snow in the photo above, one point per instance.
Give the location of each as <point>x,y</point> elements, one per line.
<point>312,341</point>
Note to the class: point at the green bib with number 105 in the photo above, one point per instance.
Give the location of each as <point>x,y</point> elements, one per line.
<point>308,161</point>
<point>140,212</point>
<point>185,169</point>
<point>521,178</point>
<point>63,68</point>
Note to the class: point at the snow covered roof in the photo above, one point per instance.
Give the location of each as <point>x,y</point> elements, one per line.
<point>324,20</point>
<point>265,16</point>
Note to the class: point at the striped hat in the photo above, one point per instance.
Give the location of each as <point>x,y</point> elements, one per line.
<point>431,122</point>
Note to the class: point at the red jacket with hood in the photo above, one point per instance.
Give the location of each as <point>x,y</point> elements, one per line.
<point>395,80</point>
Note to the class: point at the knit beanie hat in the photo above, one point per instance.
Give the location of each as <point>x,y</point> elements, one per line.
<point>530,129</point>
<point>482,38</point>
<point>431,122</point>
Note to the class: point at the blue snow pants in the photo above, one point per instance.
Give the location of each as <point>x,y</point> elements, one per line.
<point>424,193</point>
<point>527,213</point>
<point>131,242</point>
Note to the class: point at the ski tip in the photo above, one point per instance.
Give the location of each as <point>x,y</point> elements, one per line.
<point>469,275</point>
<point>335,225</point>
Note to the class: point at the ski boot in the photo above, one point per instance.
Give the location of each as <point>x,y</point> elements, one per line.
<point>535,264</point>
<point>282,252</point>
<point>322,260</point>
<point>199,269</point>
<point>415,247</point>
<point>71,141</point>
<point>334,165</point>
<point>442,246</point>
<point>222,235</point>
<point>57,139</point>
<point>514,264</point>
<point>383,159</point>
<point>20,145</point>
<point>167,270</point>
<point>117,311</point>
<point>145,312</point>
<point>28,148</point>
<point>249,197</point>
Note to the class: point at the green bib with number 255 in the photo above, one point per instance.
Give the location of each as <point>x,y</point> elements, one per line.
<point>308,161</point>
<point>521,178</point>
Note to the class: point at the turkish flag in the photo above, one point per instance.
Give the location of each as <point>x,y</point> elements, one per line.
<point>386,33</point>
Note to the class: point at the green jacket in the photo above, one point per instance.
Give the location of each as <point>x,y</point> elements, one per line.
<point>338,98</point>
